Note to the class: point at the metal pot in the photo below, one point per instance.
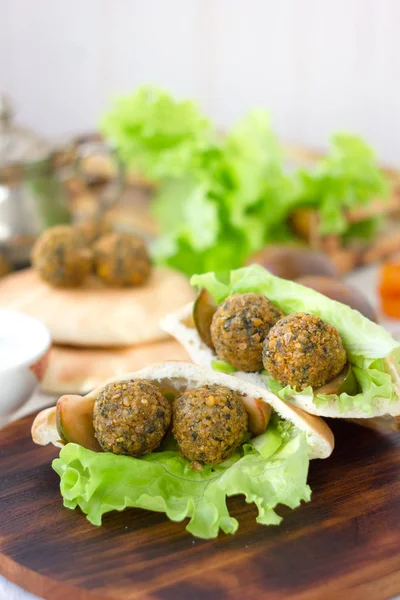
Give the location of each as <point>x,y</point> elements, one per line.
<point>33,194</point>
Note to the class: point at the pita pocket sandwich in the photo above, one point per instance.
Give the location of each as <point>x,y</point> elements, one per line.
<point>313,352</point>
<point>178,438</point>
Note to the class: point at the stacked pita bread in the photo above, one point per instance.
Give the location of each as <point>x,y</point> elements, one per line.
<point>99,332</point>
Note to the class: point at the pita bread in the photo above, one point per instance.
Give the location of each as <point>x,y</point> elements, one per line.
<point>44,428</point>
<point>95,315</point>
<point>79,370</point>
<point>181,326</point>
<point>180,376</point>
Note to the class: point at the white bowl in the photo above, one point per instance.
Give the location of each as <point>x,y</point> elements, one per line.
<point>24,348</point>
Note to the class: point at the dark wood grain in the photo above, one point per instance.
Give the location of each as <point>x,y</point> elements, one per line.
<point>345,543</point>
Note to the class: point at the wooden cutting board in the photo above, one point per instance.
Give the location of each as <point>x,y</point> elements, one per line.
<point>345,543</point>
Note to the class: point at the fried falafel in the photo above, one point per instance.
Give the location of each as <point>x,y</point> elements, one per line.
<point>302,350</point>
<point>131,418</point>
<point>121,259</point>
<point>238,328</point>
<point>62,257</point>
<point>209,423</point>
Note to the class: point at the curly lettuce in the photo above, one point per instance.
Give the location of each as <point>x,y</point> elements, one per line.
<point>368,345</point>
<point>269,470</point>
<point>235,199</point>
<point>372,384</point>
<point>219,198</point>
<point>156,134</point>
<point>348,177</point>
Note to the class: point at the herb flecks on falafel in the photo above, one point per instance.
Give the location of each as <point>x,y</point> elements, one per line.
<point>131,417</point>
<point>238,328</point>
<point>209,423</point>
<point>302,350</point>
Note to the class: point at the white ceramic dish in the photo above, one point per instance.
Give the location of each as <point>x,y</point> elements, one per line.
<point>24,347</point>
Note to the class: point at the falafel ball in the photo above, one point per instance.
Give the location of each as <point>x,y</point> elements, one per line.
<point>302,350</point>
<point>209,423</point>
<point>92,229</point>
<point>62,257</point>
<point>131,417</point>
<point>121,259</point>
<point>238,328</point>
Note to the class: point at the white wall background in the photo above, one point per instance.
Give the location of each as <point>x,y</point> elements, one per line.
<point>318,65</point>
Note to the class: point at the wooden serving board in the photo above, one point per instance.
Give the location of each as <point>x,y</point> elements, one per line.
<point>345,543</point>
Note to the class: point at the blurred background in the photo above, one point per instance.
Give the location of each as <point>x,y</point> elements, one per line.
<point>222,133</point>
<point>317,66</point>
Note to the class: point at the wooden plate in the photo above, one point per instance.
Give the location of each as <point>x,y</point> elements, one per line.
<point>345,543</point>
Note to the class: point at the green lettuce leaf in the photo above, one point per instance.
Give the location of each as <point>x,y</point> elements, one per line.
<point>155,134</point>
<point>262,194</point>
<point>373,381</point>
<point>366,343</point>
<point>220,199</point>
<point>347,177</point>
<point>234,200</point>
<point>188,214</point>
<point>269,470</point>
<point>366,230</point>
<point>222,366</point>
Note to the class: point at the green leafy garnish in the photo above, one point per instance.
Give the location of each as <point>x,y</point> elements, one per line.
<point>155,134</point>
<point>349,176</point>
<point>235,198</point>
<point>220,199</point>
<point>373,380</point>
<point>223,367</point>
<point>269,470</point>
